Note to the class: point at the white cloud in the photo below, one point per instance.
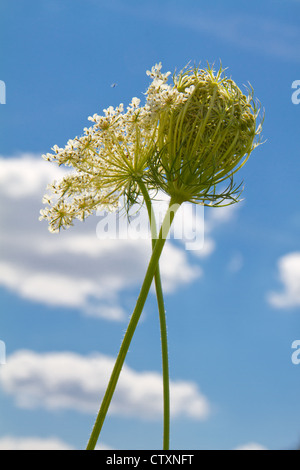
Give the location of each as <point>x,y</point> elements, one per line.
<point>32,443</point>
<point>75,268</point>
<point>251,446</point>
<point>65,380</point>
<point>38,443</point>
<point>174,269</point>
<point>289,275</point>
<point>25,175</point>
<point>85,267</point>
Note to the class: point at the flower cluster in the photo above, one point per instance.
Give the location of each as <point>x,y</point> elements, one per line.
<point>205,140</point>
<point>109,158</point>
<point>187,137</point>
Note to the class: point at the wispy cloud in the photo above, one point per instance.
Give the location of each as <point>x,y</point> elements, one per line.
<point>265,36</point>
<point>65,380</point>
<point>262,34</point>
<point>251,446</point>
<point>289,275</point>
<point>235,263</point>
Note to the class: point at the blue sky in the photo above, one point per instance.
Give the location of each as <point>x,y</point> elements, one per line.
<point>232,308</point>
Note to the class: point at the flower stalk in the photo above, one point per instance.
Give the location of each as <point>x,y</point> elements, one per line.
<point>152,267</point>
<point>163,325</point>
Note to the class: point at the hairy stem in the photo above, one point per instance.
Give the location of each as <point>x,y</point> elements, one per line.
<point>163,326</point>
<point>153,263</point>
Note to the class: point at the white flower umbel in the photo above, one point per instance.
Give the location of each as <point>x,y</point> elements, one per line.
<point>111,157</point>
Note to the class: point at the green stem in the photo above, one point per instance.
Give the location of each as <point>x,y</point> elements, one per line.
<point>165,362</point>
<point>163,326</point>
<point>153,263</point>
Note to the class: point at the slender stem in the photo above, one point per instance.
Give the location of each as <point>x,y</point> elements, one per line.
<point>163,326</point>
<point>153,263</point>
<point>165,362</point>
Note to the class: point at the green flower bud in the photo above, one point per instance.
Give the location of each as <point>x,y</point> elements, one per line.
<point>205,139</point>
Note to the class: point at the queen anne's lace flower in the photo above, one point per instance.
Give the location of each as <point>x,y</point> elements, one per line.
<point>107,160</point>
<point>204,138</point>
<point>184,140</point>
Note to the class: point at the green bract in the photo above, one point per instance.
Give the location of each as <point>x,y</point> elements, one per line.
<point>204,140</point>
